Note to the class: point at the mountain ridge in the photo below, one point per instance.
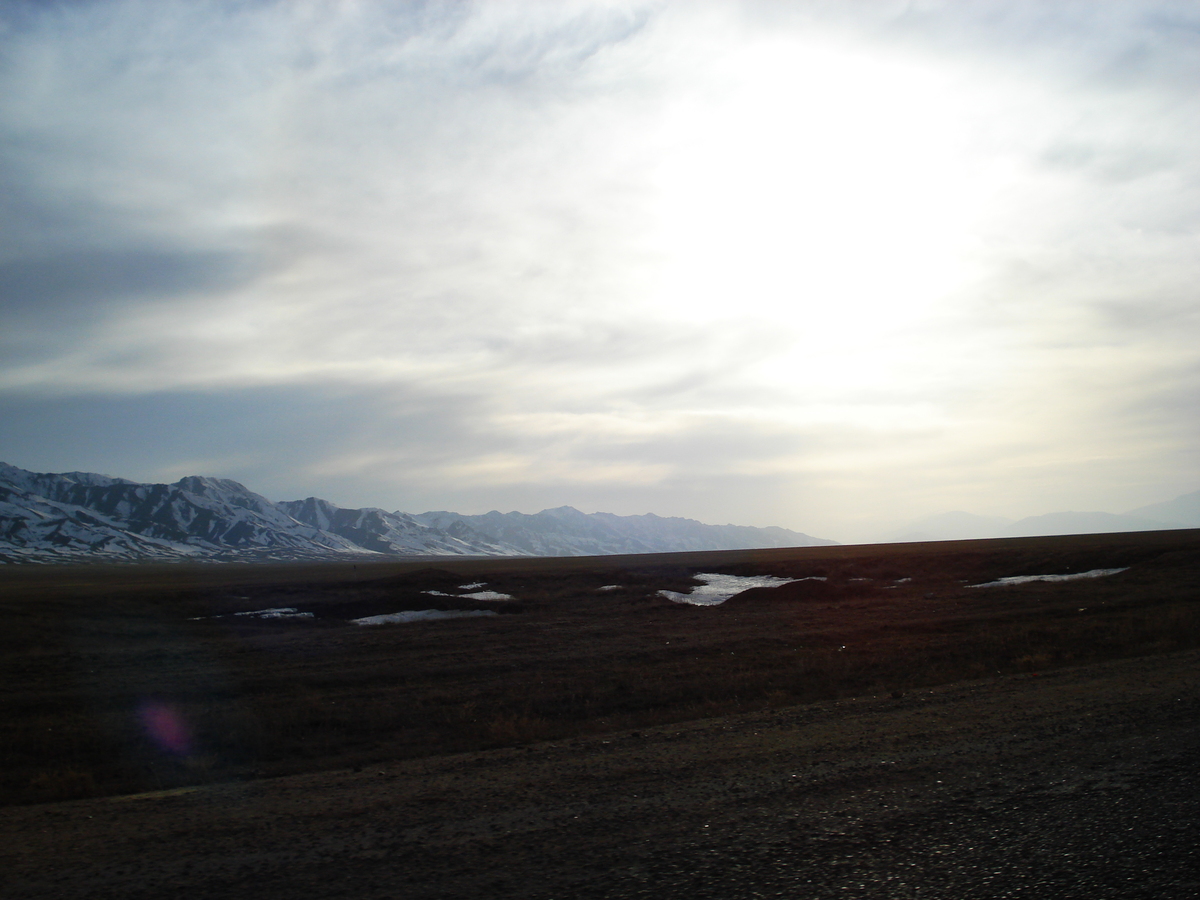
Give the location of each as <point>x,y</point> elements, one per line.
<point>88,517</point>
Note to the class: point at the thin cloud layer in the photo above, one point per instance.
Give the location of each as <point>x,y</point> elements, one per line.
<point>816,265</point>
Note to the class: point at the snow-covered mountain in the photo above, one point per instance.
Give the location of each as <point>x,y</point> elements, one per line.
<point>566,531</point>
<point>82,516</point>
<point>392,533</point>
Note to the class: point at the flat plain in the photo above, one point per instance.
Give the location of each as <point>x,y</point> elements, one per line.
<point>889,731</point>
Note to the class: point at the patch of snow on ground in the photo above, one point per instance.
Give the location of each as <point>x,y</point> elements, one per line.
<point>439,594</point>
<point>487,595</point>
<point>719,588</point>
<point>422,615</point>
<point>283,612</point>
<point>472,586</point>
<point>609,587</point>
<point>1025,579</point>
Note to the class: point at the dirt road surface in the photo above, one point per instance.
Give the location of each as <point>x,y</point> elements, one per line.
<point>1080,783</point>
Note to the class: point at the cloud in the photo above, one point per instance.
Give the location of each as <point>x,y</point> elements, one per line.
<point>81,280</point>
<point>842,260</point>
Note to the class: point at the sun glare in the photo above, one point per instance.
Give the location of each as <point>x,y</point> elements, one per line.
<point>823,190</point>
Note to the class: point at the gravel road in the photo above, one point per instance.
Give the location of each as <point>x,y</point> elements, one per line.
<point>1080,783</point>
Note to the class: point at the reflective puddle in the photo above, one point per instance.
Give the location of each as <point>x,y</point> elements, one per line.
<point>719,588</point>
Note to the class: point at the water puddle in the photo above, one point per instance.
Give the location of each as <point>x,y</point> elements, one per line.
<point>1025,579</point>
<point>719,588</point>
<point>422,615</point>
<point>474,595</point>
<point>283,612</point>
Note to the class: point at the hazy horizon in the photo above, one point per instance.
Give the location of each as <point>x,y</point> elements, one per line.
<point>832,267</point>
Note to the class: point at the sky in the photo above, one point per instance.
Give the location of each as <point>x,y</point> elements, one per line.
<point>826,265</point>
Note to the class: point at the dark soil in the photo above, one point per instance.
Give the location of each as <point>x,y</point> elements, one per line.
<point>1084,783</point>
<point>866,736</point>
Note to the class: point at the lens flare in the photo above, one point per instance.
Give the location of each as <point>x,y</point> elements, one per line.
<point>166,726</point>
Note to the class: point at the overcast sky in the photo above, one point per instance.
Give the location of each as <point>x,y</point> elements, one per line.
<point>829,266</point>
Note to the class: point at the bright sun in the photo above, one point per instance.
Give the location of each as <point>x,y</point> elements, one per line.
<point>827,191</point>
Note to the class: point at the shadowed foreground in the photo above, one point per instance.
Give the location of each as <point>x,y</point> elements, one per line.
<point>1082,783</point>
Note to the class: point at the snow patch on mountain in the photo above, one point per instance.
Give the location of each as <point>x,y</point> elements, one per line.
<point>81,516</point>
<point>565,531</point>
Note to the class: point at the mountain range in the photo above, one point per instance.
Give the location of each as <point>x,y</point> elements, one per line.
<point>85,517</point>
<point>1182,512</point>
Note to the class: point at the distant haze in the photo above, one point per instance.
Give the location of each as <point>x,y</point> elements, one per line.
<point>835,267</point>
<point>1181,512</point>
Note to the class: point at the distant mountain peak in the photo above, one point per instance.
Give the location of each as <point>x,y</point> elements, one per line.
<point>83,516</point>
<point>197,483</point>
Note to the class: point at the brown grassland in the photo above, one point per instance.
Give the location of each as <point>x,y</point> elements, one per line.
<point>85,651</point>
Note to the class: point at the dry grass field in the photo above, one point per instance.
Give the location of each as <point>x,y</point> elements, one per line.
<point>126,679</point>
